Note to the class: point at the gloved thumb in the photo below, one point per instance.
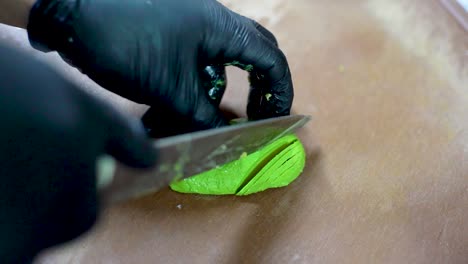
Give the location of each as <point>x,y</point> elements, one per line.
<point>207,114</point>
<point>163,121</point>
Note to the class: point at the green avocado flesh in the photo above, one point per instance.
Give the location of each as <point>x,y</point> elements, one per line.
<point>274,166</point>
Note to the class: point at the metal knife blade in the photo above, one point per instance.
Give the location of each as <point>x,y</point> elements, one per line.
<point>186,155</point>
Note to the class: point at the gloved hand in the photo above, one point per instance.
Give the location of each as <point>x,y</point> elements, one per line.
<point>50,139</point>
<point>155,51</point>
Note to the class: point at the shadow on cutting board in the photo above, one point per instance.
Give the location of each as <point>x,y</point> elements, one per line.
<point>271,213</point>
<point>276,208</point>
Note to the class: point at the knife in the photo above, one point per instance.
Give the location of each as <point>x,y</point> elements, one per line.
<point>189,154</point>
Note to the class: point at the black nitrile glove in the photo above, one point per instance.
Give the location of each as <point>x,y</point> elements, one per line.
<point>155,52</point>
<point>50,139</point>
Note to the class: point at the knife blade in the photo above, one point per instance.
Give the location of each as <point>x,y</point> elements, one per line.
<point>189,154</point>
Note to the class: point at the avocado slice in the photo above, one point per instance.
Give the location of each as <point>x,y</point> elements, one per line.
<point>276,165</point>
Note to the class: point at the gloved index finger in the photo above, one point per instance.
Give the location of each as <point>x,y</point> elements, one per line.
<point>129,143</point>
<point>124,136</point>
<point>270,78</point>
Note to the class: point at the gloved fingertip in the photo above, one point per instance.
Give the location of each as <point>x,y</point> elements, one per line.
<point>131,146</point>
<point>267,100</point>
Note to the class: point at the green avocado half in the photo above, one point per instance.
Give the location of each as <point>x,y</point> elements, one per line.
<point>276,165</point>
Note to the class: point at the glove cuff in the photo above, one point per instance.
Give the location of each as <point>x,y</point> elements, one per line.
<point>50,24</point>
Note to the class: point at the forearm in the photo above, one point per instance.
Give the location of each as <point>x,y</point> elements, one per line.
<point>15,12</point>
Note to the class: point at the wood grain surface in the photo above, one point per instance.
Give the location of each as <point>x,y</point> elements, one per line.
<point>386,179</point>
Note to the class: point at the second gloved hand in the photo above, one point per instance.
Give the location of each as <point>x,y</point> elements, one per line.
<point>51,138</point>
<point>154,52</point>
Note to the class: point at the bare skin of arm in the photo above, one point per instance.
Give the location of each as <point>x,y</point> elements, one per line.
<point>15,12</point>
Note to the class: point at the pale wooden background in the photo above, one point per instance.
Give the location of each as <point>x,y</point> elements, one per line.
<point>387,173</point>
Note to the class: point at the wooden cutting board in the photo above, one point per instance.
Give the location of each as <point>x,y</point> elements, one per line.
<point>387,174</point>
